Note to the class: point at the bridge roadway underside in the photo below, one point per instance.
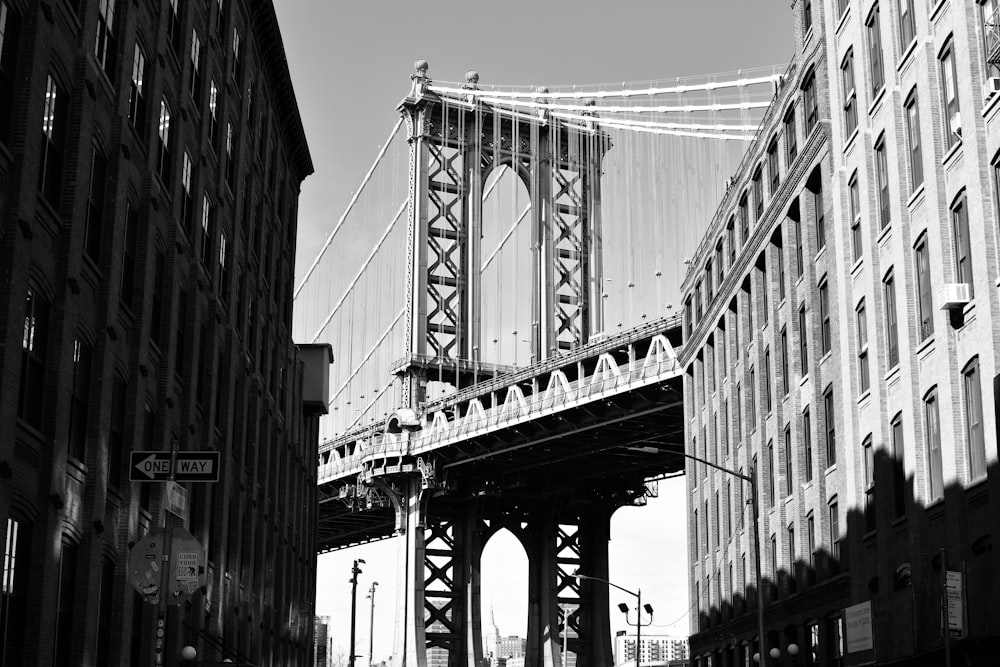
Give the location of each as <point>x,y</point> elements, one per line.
<point>604,449</point>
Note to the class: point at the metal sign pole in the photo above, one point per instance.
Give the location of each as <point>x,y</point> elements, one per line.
<point>165,564</point>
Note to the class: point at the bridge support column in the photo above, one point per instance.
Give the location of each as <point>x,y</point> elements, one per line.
<point>410,640</point>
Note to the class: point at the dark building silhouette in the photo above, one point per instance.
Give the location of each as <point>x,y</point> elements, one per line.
<point>151,154</point>
<point>842,348</point>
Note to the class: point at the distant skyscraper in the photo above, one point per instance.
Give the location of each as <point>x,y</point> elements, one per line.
<point>322,642</point>
<point>654,648</point>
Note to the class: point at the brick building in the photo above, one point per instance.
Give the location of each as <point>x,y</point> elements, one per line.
<point>150,161</point>
<point>847,354</point>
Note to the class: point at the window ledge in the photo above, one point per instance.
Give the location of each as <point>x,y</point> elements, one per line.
<point>820,253</point>
<point>917,196</point>
<point>950,156</point>
<point>892,374</point>
<point>849,144</point>
<point>826,356</point>
<point>842,21</point>
<point>904,60</point>
<point>865,396</point>
<point>936,9</point>
<point>990,106</point>
<point>807,38</point>
<point>877,101</point>
<point>856,267</point>
<point>924,345</point>
<point>884,233</point>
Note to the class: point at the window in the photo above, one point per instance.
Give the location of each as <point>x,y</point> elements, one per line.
<point>907,25</point>
<point>935,479</point>
<point>156,310</point>
<point>963,251</point>
<point>95,205</point>
<point>788,459</point>
<point>223,265</point>
<point>784,362</point>
<point>31,391</point>
<point>842,6</point>
<point>770,474</point>
<point>818,211</point>
<point>974,420</point>
<point>723,354</point>
<point>800,242</point>
<point>738,422</point>
<point>174,26</point>
<point>807,16</point>
<point>924,301</point>
<point>230,159</point>
<point>10,30</point>
<point>891,335</point>
<point>877,76</point>
<point>720,273</point>
<point>869,461</point>
<point>807,444</point>
<point>137,94</point>
<point>744,219</point>
<point>64,606</point>
<point>791,148</point>
<point>163,137</point>
<point>79,399</point>
<point>850,94</point>
<point>898,468</point>
<point>803,341</point>
<point>54,121</point>
<point>219,19</point>
<point>104,44</point>
<point>779,252</point>
<point>710,367</point>
<point>708,284</point>
<point>949,93</point>
<point>809,102</point>
<point>753,400</point>
<point>213,113</point>
<point>990,16</point>
<point>195,68</point>
<point>697,541</point>
<point>13,594</point>
<point>882,182</point>
<point>854,201</point>
<point>831,426</point>
<point>826,336</point>
<point>187,199</point>
<point>767,379</point>
<point>811,540</point>
<point>834,528</point>
<point>206,232</point>
<point>913,136</point>
<point>862,326</point>
<point>126,292</point>
<point>235,69</point>
<point>792,556</point>
<point>731,239</point>
<point>765,288</point>
<point>772,165</point>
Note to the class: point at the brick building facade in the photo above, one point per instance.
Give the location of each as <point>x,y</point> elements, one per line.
<point>150,161</point>
<point>848,353</point>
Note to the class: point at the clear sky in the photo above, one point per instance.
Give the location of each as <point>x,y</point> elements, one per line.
<point>350,63</point>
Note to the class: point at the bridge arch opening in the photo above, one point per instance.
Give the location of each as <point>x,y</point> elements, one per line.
<point>503,593</point>
<point>507,267</point>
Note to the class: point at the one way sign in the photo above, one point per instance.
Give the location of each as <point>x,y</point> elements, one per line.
<point>152,466</point>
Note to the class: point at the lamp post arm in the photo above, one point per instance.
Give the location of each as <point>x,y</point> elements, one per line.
<point>624,590</point>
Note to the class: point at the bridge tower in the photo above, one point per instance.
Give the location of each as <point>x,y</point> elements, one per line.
<point>454,145</point>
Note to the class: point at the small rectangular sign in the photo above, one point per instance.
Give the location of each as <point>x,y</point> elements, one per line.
<point>953,584</point>
<point>858,625</point>
<point>197,467</point>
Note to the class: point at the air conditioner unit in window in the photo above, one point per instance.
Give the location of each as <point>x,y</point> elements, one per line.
<point>954,295</point>
<point>956,124</point>
<point>991,87</point>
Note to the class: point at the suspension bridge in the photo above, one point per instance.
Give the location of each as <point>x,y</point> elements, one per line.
<point>498,294</point>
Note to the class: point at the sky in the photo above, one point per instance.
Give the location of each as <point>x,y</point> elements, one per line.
<point>350,64</point>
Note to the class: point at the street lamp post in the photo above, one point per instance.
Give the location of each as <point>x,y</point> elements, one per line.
<point>752,481</point>
<point>371,623</point>
<point>639,607</point>
<point>355,571</point>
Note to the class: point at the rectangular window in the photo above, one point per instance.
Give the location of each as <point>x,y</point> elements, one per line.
<point>765,288</point>
<point>206,232</point>
<point>779,251</point>
<point>187,199</point>
<point>924,300</point>
<point>791,147</point>
<point>898,468</point>
<point>195,88</point>
<point>163,140</point>
<point>974,420</point>
<point>788,459</point>
<point>744,219</point>
<point>708,284</point>
<point>826,336</point>
<point>93,228</point>
<point>803,341</point>
<point>54,120</point>
<point>792,556</point>
<point>799,244</point>
<point>882,182</point>
<point>913,136</point>
<point>223,266</point>
<point>64,605</point>
<point>907,24</point>
<point>723,356</point>
<point>949,94</point>
<point>771,478</point>
<point>861,320</point>
<point>809,103</point>
<point>738,422</point>
<point>753,400</point>
<point>213,114</point>
<point>811,540</point>
<point>104,43</point>
<point>807,16</point>
<point>935,476</point>
<point>731,240</point>
<point>834,529</point>
<point>857,242</point>
<point>820,213</point>
<point>13,595</point>
<point>720,273</point>
<point>892,337</point>
<point>137,93</point>
<point>230,159</point>
<point>767,379</point>
<point>174,26</point>
<point>963,250</point>
<point>772,165</point>
<point>79,400</point>
<point>235,69</point>
<point>850,94</point>
<point>807,444</point>
<point>105,608</point>
<point>869,462</point>
<point>220,26</point>
<point>31,391</point>
<point>877,75</point>
<point>784,362</point>
<point>10,29</point>
<point>831,426</point>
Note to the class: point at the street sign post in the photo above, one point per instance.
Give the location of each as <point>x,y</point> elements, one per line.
<point>154,466</point>
<point>184,559</point>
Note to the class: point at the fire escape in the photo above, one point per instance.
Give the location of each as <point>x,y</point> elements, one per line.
<point>991,30</point>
